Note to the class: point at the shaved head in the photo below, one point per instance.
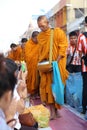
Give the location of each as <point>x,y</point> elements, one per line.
<point>43,22</point>
<point>42,17</point>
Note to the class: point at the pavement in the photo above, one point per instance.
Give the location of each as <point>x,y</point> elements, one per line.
<point>70,119</point>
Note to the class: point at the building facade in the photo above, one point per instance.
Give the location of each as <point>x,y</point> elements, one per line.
<point>68,14</point>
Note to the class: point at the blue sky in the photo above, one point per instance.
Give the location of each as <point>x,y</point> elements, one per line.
<point>15,16</point>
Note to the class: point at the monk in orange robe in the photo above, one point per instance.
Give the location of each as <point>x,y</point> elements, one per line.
<point>10,53</point>
<point>59,54</point>
<point>31,56</point>
<point>15,53</point>
<point>23,42</point>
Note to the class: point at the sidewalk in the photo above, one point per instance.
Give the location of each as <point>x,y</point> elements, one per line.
<point>69,120</point>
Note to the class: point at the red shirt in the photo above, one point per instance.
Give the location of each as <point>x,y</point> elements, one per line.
<point>82,47</point>
<point>76,58</point>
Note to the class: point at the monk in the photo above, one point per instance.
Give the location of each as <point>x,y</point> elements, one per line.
<point>23,42</point>
<point>15,52</point>
<point>31,56</point>
<point>59,54</point>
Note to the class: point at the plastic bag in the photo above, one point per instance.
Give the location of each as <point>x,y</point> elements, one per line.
<point>41,115</point>
<point>57,85</point>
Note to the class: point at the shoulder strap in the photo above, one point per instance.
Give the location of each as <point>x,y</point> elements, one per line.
<point>72,56</point>
<point>51,46</point>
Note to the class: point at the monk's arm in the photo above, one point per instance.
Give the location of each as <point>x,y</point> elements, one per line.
<point>62,39</point>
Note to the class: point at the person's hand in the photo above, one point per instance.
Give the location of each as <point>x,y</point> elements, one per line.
<point>24,75</point>
<point>20,106</point>
<point>59,58</point>
<point>22,89</point>
<point>10,112</point>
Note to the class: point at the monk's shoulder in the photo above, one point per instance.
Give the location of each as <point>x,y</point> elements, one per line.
<point>27,43</point>
<point>59,30</point>
<point>40,35</point>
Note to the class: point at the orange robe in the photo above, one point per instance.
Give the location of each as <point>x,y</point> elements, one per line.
<point>15,55</point>
<point>31,57</point>
<point>59,48</point>
<point>23,54</point>
<point>10,54</point>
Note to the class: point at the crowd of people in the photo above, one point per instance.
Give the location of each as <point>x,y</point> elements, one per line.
<point>20,77</point>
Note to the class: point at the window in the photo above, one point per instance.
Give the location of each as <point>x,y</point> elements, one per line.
<point>79,12</point>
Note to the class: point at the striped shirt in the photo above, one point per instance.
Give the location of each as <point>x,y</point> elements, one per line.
<point>82,47</point>
<point>76,58</point>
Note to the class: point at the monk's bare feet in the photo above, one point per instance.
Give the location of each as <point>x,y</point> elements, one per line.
<point>57,113</point>
<point>53,117</point>
<point>44,104</point>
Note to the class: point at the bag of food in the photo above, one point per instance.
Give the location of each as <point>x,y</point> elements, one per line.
<point>41,115</point>
<point>27,119</point>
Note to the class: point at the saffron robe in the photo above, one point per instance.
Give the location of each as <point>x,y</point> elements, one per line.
<point>31,57</point>
<point>23,54</point>
<point>59,48</point>
<point>15,55</point>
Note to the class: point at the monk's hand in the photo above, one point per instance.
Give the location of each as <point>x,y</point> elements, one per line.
<point>59,58</point>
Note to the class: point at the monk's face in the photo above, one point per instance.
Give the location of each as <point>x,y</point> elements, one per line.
<point>43,24</point>
<point>23,45</point>
<point>34,39</point>
<point>14,48</point>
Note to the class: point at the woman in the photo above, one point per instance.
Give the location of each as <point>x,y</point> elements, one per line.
<point>7,85</point>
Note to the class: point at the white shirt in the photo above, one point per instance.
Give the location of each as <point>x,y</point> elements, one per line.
<point>3,124</point>
<point>18,125</point>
